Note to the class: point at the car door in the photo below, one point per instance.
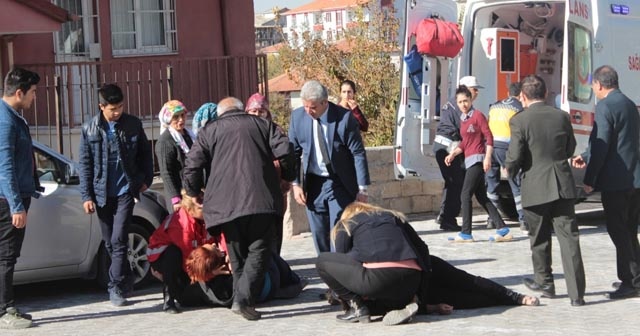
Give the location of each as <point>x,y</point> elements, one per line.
<point>58,231</point>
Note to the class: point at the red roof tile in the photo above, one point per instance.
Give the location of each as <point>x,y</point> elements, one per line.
<point>324,5</point>
<point>283,83</point>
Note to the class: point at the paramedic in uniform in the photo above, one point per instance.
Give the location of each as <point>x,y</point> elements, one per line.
<point>448,131</point>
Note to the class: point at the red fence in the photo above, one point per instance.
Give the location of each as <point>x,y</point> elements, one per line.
<point>67,93</point>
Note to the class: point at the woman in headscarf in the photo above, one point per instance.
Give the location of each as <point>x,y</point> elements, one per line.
<point>259,106</point>
<point>207,112</point>
<point>171,148</point>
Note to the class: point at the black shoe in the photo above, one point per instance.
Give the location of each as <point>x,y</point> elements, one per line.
<point>246,311</point>
<point>548,290</point>
<point>169,304</point>
<point>357,312</point>
<point>616,284</point>
<point>331,297</point>
<point>453,227</point>
<point>577,302</point>
<point>439,220</point>
<point>623,292</point>
<point>490,224</point>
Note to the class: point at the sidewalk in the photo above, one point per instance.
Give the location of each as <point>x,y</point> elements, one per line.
<point>85,311</point>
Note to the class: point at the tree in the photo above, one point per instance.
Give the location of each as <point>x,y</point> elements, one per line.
<point>363,55</point>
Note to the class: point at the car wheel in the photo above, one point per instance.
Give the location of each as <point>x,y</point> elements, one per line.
<point>136,254</point>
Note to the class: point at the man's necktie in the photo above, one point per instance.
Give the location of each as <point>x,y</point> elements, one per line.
<point>322,144</point>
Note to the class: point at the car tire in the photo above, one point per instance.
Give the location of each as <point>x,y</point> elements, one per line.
<point>136,253</point>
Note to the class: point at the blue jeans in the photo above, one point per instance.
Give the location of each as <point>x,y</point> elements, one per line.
<point>115,219</point>
<point>10,244</point>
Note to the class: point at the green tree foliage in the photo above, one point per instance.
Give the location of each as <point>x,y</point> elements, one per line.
<point>274,66</point>
<point>363,55</point>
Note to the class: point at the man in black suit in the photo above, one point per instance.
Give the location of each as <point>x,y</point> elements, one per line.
<point>334,162</point>
<point>541,144</point>
<point>613,168</point>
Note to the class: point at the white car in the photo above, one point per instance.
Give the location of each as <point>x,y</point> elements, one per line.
<point>62,241</point>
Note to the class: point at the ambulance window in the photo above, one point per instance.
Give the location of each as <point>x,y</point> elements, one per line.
<point>508,55</point>
<point>579,88</point>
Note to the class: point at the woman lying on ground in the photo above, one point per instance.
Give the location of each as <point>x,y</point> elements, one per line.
<point>170,249</point>
<point>382,267</point>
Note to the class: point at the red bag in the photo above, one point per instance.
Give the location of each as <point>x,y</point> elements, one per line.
<point>436,37</point>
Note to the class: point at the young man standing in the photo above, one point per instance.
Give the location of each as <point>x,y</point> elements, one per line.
<point>18,182</point>
<point>115,167</point>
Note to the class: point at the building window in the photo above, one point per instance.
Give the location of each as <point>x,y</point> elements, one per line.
<point>317,18</point>
<point>329,36</point>
<point>143,27</point>
<point>327,17</point>
<point>73,40</point>
<point>339,19</point>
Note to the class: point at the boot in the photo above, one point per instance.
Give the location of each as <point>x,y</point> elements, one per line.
<point>169,304</point>
<point>357,312</point>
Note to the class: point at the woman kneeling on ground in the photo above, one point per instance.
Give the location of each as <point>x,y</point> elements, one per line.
<point>181,244</point>
<point>382,267</point>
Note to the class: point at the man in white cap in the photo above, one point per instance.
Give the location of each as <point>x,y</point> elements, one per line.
<point>448,132</point>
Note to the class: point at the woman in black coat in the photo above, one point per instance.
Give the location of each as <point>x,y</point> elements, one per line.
<point>171,148</point>
<point>382,267</point>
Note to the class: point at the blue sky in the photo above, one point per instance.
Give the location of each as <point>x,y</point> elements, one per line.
<point>265,5</point>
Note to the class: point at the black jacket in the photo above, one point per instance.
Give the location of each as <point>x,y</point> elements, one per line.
<point>170,162</point>
<point>238,149</point>
<point>134,151</point>
<point>449,125</point>
<point>384,237</point>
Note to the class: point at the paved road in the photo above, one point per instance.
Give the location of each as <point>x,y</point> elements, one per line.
<point>78,308</point>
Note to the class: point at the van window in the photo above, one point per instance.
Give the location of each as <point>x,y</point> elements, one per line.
<point>579,90</point>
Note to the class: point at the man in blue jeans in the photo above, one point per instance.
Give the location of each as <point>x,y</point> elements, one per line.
<point>115,167</point>
<point>18,183</point>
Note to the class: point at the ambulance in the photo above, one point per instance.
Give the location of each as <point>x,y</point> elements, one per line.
<point>562,41</point>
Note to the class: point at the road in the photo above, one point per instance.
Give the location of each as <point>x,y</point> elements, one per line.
<point>77,307</point>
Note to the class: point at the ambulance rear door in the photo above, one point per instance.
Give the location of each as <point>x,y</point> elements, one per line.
<point>415,123</point>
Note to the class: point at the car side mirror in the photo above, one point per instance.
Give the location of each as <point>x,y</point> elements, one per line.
<point>71,175</point>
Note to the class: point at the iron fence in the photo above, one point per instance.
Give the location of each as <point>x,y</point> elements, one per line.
<point>67,92</point>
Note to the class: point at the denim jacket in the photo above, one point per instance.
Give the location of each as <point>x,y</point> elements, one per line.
<point>17,170</point>
<point>134,151</point>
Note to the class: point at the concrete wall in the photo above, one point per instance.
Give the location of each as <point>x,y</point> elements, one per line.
<point>407,196</point>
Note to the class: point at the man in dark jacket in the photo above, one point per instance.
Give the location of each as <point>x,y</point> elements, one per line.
<point>541,143</point>
<point>242,195</point>
<point>614,169</point>
<point>116,165</point>
<point>18,182</point>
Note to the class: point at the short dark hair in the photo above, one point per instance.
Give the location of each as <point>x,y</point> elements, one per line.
<point>463,89</point>
<point>19,79</point>
<point>607,76</point>
<point>514,89</point>
<point>350,83</point>
<point>533,87</point>
<point>110,94</point>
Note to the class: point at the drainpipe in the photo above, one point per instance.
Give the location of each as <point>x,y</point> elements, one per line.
<point>225,38</point>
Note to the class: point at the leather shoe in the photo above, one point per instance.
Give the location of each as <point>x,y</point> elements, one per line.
<point>357,312</point>
<point>623,292</point>
<point>246,311</point>
<point>548,291</point>
<point>577,302</point>
<point>450,227</point>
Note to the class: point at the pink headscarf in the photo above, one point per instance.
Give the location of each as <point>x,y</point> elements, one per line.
<point>258,101</point>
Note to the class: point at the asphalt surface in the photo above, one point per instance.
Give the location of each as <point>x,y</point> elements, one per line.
<point>78,307</point>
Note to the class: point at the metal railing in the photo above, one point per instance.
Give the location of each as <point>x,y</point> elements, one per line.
<point>67,92</point>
